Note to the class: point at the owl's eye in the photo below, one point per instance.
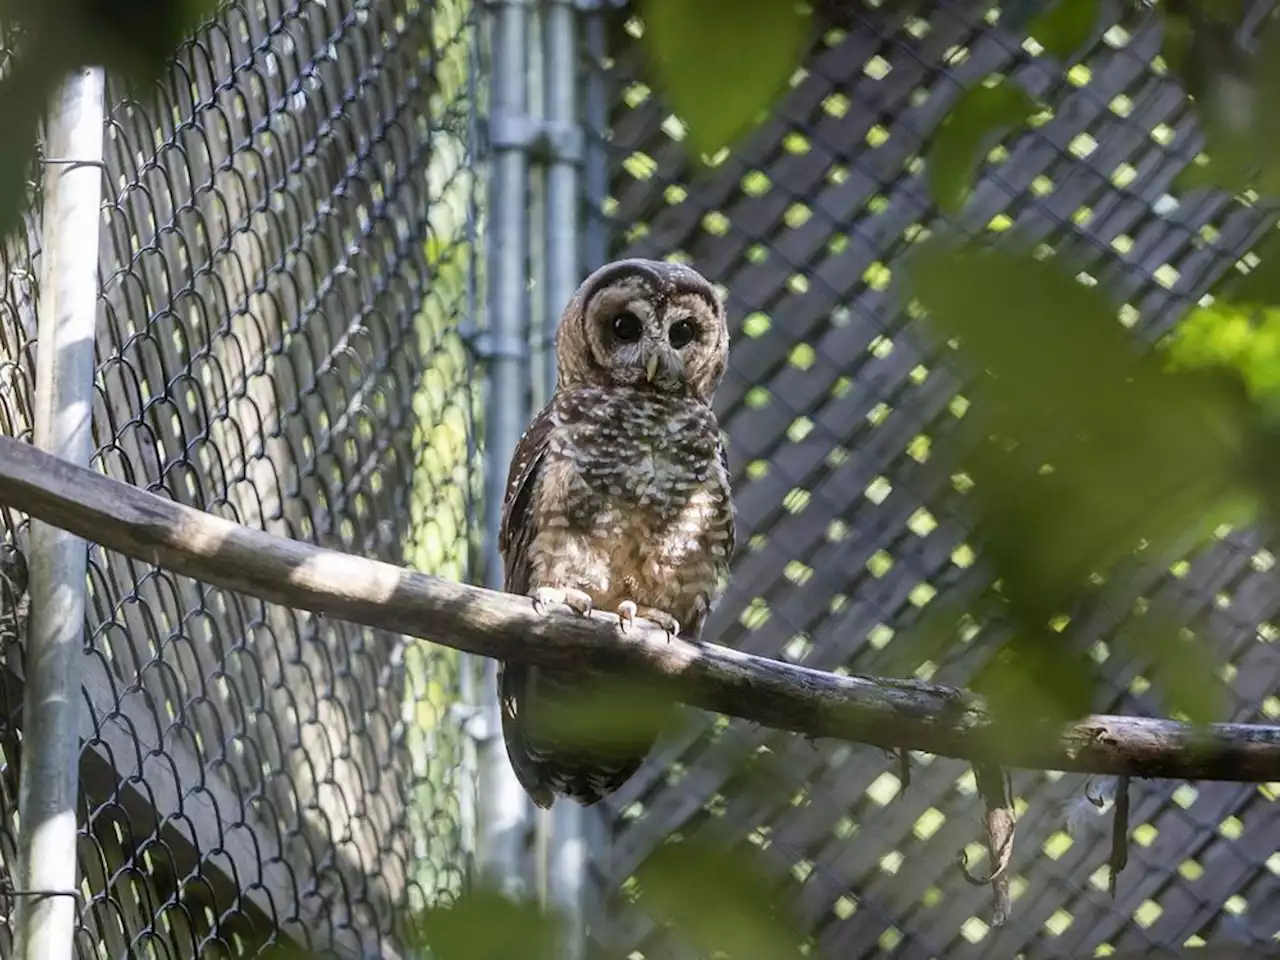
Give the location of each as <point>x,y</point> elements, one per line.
<point>626,327</point>
<point>682,333</point>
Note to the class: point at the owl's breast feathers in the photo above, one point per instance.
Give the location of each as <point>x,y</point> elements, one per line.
<point>623,494</point>
<point>634,502</point>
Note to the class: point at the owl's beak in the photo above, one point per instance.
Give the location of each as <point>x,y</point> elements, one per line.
<point>651,366</point>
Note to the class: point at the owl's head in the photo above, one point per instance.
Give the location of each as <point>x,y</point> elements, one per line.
<point>646,324</point>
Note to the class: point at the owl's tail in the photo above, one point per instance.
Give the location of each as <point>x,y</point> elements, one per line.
<point>567,736</point>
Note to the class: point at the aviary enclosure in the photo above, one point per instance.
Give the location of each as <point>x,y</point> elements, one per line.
<point>332,250</point>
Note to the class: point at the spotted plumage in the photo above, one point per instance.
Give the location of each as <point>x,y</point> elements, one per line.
<point>617,499</point>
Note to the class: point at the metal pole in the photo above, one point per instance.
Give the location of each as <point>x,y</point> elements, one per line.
<point>596,158</point>
<point>46,917</point>
<point>471,668</point>
<point>596,830</point>
<point>538,327</point>
<point>541,325</point>
<point>566,860</point>
<point>563,267</point>
<point>504,808</point>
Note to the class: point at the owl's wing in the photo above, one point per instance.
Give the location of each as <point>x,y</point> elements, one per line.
<point>726,526</point>
<point>516,681</point>
<point>733,519</point>
<point>519,525</point>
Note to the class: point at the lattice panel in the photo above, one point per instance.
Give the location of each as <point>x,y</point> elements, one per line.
<point>835,404</point>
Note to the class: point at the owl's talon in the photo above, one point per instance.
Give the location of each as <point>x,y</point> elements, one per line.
<point>626,614</point>
<point>669,624</point>
<point>628,611</point>
<point>576,600</point>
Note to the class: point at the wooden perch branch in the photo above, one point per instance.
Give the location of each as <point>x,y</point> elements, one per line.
<point>893,714</point>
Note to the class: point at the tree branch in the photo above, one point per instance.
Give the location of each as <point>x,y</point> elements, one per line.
<point>893,714</point>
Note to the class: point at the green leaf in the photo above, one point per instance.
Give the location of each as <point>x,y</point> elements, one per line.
<point>1220,335</point>
<point>1232,91</point>
<point>719,900</point>
<point>1175,43</point>
<point>1262,283</point>
<point>937,631</point>
<point>721,63</point>
<point>1184,670</point>
<point>1065,27</point>
<point>1224,335</point>
<point>607,713</point>
<point>484,925</point>
<point>24,91</point>
<point>1088,452</point>
<point>1123,447</point>
<point>1033,686</point>
<point>133,40</point>
<point>980,116</point>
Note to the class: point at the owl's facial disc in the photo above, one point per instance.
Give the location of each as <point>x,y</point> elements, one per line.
<point>647,325</point>
<point>647,341</point>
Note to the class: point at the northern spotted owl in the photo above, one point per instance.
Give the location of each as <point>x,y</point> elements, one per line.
<point>617,499</point>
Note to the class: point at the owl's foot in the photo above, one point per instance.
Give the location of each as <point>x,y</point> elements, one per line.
<point>628,611</point>
<point>576,600</point>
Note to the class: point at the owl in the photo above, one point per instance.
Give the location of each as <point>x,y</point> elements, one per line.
<point>617,499</point>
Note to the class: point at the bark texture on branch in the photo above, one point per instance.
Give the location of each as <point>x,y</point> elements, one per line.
<point>893,714</point>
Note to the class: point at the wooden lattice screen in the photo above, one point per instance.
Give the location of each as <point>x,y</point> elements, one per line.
<point>832,406</point>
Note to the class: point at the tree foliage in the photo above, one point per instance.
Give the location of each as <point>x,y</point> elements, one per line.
<point>1085,452</point>
<point>40,43</point>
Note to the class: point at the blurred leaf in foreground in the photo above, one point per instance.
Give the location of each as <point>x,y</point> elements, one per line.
<point>20,115</point>
<point>1245,338</point>
<point>1065,26</point>
<point>1261,285</point>
<point>979,117</point>
<point>608,713</point>
<point>1034,685</point>
<point>1183,670</point>
<point>132,38</point>
<point>1232,90</point>
<point>1090,449</point>
<point>46,40</point>
<point>1175,43</point>
<point>484,925</point>
<point>721,63</point>
<point>719,900</point>
<point>1121,451</point>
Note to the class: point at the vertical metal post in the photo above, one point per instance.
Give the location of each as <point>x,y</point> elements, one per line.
<point>566,859</point>
<point>541,325</point>
<point>540,322</point>
<point>504,808</point>
<point>46,918</point>
<point>563,237</point>
<point>471,668</point>
<point>595,157</point>
<point>596,248</point>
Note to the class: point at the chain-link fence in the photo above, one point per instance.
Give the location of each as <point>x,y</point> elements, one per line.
<point>833,403</point>
<point>288,256</point>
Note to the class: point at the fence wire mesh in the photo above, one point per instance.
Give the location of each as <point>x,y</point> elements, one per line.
<point>834,403</point>
<point>288,258</point>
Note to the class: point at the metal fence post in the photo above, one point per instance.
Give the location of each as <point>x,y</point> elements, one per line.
<point>595,162</point>
<point>504,808</point>
<point>46,914</point>
<point>566,859</point>
<point>592,189</point>
<point>472,669</point>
